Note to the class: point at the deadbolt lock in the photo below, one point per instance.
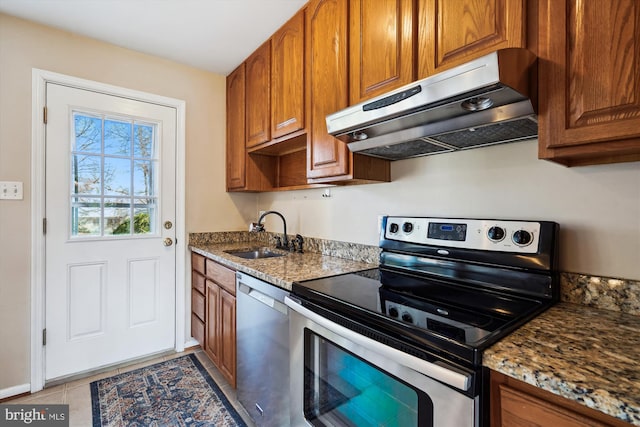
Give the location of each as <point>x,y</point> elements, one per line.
<point>168,225</point>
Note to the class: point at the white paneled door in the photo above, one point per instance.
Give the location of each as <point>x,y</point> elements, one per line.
<point>110,209</point>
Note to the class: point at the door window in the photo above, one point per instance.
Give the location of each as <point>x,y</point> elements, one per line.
<point>114,191</point>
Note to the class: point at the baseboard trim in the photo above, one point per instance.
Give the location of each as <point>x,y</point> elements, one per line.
<point>14,391</point>
<point>191,342</point>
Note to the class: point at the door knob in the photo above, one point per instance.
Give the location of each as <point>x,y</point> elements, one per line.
<point>167,241</point>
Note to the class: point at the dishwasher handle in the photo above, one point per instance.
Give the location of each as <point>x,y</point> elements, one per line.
<point>263,298</point>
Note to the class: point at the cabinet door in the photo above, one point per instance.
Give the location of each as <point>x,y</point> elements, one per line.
<point>327,48</point>
<point>287,77</point>
<point>520,409</point>
<point>258,96</point>
<point>453,32</point>
<point>212,341</point>
<point>236,152</point>
<point>515,403</point>
<point>590,73</point>
<point>198,304</point>
<point>197,329</point>
<point>197,281</point>
<point>197,264</point>
<point>381,40</point>
<point>227,336</point>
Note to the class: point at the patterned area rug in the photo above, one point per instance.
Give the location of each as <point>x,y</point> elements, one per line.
<point>178,392</point>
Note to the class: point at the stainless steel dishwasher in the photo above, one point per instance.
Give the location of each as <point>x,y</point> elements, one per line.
<point>263,351</point>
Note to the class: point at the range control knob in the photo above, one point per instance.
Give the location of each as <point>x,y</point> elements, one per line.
<point>393,227</point>
<point>407,227</point>
<point>522,238</point>
<point>495,233</point>
<point>393,312</point>
<point>407,317</point>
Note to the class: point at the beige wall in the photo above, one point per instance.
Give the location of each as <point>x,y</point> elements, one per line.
<point>597,207</point>
<point>24,46</point>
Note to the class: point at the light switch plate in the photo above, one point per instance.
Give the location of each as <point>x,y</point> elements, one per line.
<point>10,190</point>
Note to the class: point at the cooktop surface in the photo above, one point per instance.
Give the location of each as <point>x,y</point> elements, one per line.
<point>447,315</point>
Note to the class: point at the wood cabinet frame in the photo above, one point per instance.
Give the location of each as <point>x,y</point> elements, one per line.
<point>514,402</point>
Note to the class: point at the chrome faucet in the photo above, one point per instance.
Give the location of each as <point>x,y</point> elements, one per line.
<point>260,227</point>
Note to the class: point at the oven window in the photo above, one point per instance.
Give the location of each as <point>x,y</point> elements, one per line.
<point>341,389</point>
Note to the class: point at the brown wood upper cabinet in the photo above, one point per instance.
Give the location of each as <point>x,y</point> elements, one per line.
<point>265,114</point>
<point>287,78</point>
<point>329,159</point>
<point>382,43</point>
<point>451,33</point>
<point>236,152</point>
<point>258,96</point>
<point>589,68</point>
<point>328,84</point>
<point>244,172</point>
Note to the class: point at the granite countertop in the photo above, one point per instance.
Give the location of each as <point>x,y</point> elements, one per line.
<point>281,271</point>
<point>587,355</point>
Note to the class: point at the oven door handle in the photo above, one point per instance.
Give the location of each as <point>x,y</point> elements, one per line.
<point>443,374</point>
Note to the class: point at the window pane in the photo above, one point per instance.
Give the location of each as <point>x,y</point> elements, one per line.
<point>88,133</point>
<point>113,161</point>
<point>85,174</point>
<point>143,143</point>
<point>143,178</point>
<point>144,218</point>
<point>117,177</point>
<point>117,138</point>
<point>85,216</point>
<point>117,216</point>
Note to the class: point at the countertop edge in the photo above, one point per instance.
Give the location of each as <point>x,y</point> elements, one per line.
<point>282,271</point>
<point>228,261</point>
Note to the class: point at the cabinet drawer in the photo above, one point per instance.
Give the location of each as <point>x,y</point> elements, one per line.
<point>222,275</point>
<point>197,262</point>
<point>197,304</point>
<point>197,329</point>
<point>197,281</point>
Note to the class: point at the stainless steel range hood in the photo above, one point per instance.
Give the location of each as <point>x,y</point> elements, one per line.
<point>483,102</point>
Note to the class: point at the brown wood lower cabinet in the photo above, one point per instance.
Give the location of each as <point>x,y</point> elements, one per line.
<point>220,343</point>
<point>212,343</point>
<point>227,335</point>
<point>198,293</point>
<point>220,339</point>
<point>213,313</point>
<point>517,404</point>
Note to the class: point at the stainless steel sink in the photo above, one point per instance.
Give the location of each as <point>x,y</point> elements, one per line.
<point>255,253</point>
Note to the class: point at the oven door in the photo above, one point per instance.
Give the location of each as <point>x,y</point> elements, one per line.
<point>341,378</point>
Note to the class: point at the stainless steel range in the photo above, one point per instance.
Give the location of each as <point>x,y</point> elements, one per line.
<point>401,345</point>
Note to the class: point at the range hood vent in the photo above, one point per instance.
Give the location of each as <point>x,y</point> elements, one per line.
<point>483,102</point>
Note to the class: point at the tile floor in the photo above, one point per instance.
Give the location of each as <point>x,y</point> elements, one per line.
<point>77,393</point>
